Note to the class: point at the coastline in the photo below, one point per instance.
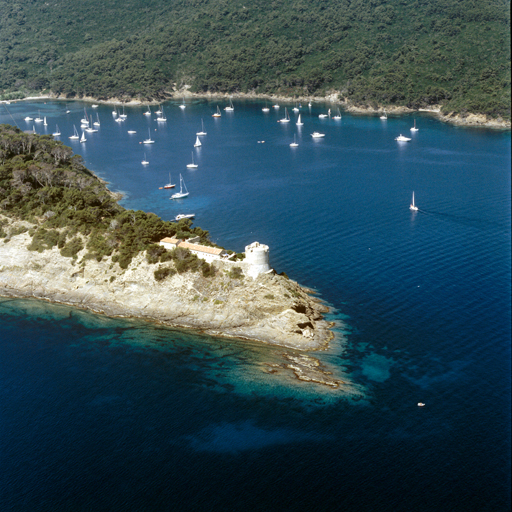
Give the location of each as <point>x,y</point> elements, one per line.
<point>271,309</point>
<point>471,120</point>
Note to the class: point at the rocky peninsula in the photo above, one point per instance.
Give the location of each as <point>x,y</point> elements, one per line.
<point>270,308</point>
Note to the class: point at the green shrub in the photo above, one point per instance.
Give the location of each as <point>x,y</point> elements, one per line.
<point>163,272</point>
<point>72,248</point>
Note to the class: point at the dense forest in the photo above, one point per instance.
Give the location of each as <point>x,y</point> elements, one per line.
<point>42,182</point>
<point>374,52</point>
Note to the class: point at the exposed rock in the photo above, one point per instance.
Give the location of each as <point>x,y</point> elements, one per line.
<point>270,308</point>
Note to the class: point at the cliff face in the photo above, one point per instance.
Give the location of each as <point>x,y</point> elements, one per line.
<point>271,308</point>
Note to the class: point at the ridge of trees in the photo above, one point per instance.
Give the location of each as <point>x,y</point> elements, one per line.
<point>42,182</point>
<point>376,52</point>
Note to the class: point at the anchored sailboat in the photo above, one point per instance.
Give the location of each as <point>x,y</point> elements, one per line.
<point>170,184</point>
<point>197,143</point>
<point>299,122</point>
<point>75,135</point>
<point>148,140</point>
<point>192,165</point>
<point>412,206</point>
<point>202,132</point>
<point>181,194</point>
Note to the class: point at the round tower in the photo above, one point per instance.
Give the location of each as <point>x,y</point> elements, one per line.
<point>256,257</point>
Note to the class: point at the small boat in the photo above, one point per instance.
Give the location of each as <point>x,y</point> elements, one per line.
<point>276,106</point>
<point>34,128</point>
<point>286,118</point>
<point>294,144</point>
<point>148,140</point>
<point>230,107</point>
<point>309,104</point>
<point>94,105</point>
<point>299,122</point>
<point>197,143</point>
<point>123,116</point>
<point>56,133</point>
<point>401,138</point>
<point>412,206</point>
<point>421,404</point>
<point>184,216</point>
<point>90,129</point>
<point>317,135</point>
<point>217,114</point>
<point>28,118</point>
<point>44,122</point>
<point>414,129</point>
<point>114,112</point>
<point>322,116</point>
<point>337,117</point>
<point>202,132</point>
<point>296,108</point>
<point>170,184</point>
<point>192,165</point>
<point>159,111</point>
<point>148,112</point>
<point>85,119</point>
<point>183,104</point>
<point>119,119</point>
<point>384,116</point>
<point>181,194</point>
<point>82,138</point>
<point>38,119</point>
<point>97,122</point>
<point>131,132</point>
<point>162,118</point>
<point>75,135</point>
<point>145,162</point>
<point>265,108</point>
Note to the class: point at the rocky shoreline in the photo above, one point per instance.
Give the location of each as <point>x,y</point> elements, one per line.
<point>468,120</point>
<point>271,308</point>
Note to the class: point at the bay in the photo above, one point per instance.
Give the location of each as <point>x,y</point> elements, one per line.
<point>109,414</point>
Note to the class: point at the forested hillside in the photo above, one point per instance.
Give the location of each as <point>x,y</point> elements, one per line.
<point>386,52</point>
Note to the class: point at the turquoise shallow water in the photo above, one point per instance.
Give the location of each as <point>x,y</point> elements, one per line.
<point>111,414</point>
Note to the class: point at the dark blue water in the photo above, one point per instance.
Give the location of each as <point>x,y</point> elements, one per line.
<point>107,414</point>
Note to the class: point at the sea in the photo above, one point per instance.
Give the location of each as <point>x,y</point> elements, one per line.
<point>112,414</point>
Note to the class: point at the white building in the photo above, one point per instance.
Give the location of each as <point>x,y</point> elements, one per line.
<point>201,251</point>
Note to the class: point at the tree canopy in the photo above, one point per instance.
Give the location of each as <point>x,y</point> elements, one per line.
<point>389,52</point>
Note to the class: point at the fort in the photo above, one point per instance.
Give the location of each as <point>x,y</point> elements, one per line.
<point>256,260</point>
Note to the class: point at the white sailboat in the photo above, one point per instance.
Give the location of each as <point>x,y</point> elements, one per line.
<point>44,122</point>
<point>294,144</point>
<point>299,122</point>
<point>384,116</point>
<point>181,194</point>
<point>202,132</point>
<point>337,117</point>
<point>94,105</point>
<point>75,135</point>
<point>82,138</point>
<point>162,118</point>
<point>145,161</point>
<point>217,114</point>
<point>296,108</point>
<point>170,184</point>
<point>97,122</point>
<point>56,133</point>
<point>148,140</point>
<point>90,129</point>
<point>412,206</point>
<point>414,129</point>
<point>183,104</point>
<point>192,165</point>
<point>148,112</point>
<point>230,107</point>
<point>265,108</point>
<point>197,143</point>
<point>159,111</point>
<point>85,119</point>
<point>286,118</point>
<point>276,106</point>
<point>38,119</point>
<point>123,116</point>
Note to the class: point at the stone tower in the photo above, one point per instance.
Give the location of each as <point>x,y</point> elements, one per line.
<point>256,258</point>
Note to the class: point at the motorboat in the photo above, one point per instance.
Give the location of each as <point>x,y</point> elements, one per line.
<point>184,216</point>
<point>317,135</point>
<point>401,138</point>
